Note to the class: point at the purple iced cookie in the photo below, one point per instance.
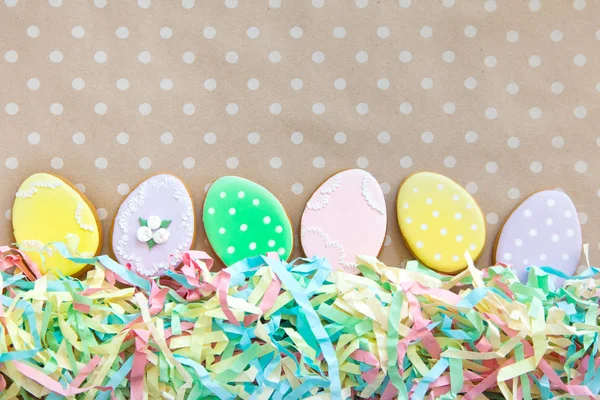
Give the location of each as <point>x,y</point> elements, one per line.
<point>155,221</point>
<point>543,231</point>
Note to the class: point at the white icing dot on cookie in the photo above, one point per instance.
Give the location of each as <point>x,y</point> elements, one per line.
<point>232,211</point>
<point>437,256</point>
<point>440,186</point>
<point>223,194</point>
<point>519,242</point>
<point>455,197</point>
<point>429,200</point>
<point>408,220</point>
<point>231,249</point>
<point>423,227</point>
<point>549,221</point>
<point>550,202</point>
<point>527,213</point>
<point>533,232</point>
<point>415,190</point>
<point>474,227</point>
<point>222,231</point>
<point>455,258</point>
<point>457,216</point>
<point>443,231</point>
<point>472,246</point>
<point>435,214</point>
<point>419,244</point>
<point>469,206</point>
<point>255,202</point>
<point>405,205</point>
<point>211,211</point>
<point>252,246</point>
<point>243,227</point>
<point>241,194</point>
<point>279,229</point>
<point>570,232</point>
<point>565,256</point>
<point>543,257</point>
<point>271,243</point>
<point>507,256</point>
<point>267,220</point>
<point>281,251</point>
<point>459,238</point>
<point>568,214</point>
<point>555,238</point>
<point>526,262</point>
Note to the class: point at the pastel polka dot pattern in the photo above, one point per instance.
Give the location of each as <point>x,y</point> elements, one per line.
<point>243,219</point>
<point>543,230</point>
<point>439,221</point>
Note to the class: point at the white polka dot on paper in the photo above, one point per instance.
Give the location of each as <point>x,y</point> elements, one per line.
<point>145,109</point>
<point>580,60</point>
<point>166,32</point>
<point>122,84</point>
<point>55,3</point>
<point>449,108</point>
<point>383,83</point>
<point>581,167</point>
<point>34,138</point>
<point>78,32</point>
<point>145,57</point>
<point>406,108</point>
<point>253,32</point>
<point>426,32</point>
<point>556,35</point>
<point>362,162</point>
<point>492,218</point>
<point>296,32</point>
<point>144,4</point>
<point>253,84</point>
<point>427,83</point>
<point>78,84</point>
<point>491,167</point>
<point>490,61</point>
<point>362,57</point>
<point>557,87</point>
<point>339,32</point>
<point>472,187</point>
<point>296,83</point>
<point>276,162</point>
<point>340,137</point>
<point>558,142</point>
<point>512,36</point>
<point>78,138</point>
<point>100,108</point>
<point>232,57</point>
<point>339,84</point>
<point>513,193</point>
<point>470,83</point>
<point>318,162</point>
<point>101,163</point>
<point>406,162</point>
<point>275,108</point>
<point>188,57</point>
<point>405,3</point>
<point>362,108</point>
<point>535,61</point>
<point>535,5</point>
<point>231,3</point>
<point>513,142</point>
<point>490,5</point>
<point>297,137</point>
<point>579,5</point>
<point>210,84</point>
<point>11,108</point>
<point>145,163</point>
<point>449,162</point>
<point>470,31</point>
<point>232,162</point>
<point>56,108</point>
<point>122,32</point>
<point>102,213</point>
<point>122,189</point>
<point>11,163</point>
<point>297,188</point>
<point>491,113</point>
<point>405,56</point>
<point>166,84</point>
<point>188,4</point>
<point>8,214</point>
<point>383,137</point>
<point>232,109</point>
<point>318,108</point>
<point>448,56</point>
<point>580,112</point>
<point>512,88</point>
<point>383,32</point>
<point>165,138</point>
<point>535,113</point>
<point>56,56</point>
<point>427,137</point>
<point>33,31</point>
<point>318,57</point>
<point>471,136</point>
<point>583,218</point>
<point>57,163</point>
<point>189,163</point>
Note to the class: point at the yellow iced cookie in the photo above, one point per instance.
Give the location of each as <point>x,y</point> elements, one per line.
<point>50,209</point>
<point>439,221</point>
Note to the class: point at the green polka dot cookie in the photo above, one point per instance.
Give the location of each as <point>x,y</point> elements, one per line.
<point>243,219</point>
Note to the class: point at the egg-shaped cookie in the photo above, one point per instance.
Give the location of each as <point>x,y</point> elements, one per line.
<point>243,219</point>
<point>345,217</point>
<point>47,209</point>
<point>155,221</point>
<point>440,221</point>
<point>544,230</point>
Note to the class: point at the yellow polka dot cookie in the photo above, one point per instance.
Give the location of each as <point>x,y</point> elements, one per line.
<point>439,221</point>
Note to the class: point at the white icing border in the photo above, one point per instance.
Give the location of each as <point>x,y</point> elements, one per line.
<point>367,180</point>
<point>325,191</point>
<point>349,267</point>
<point>79,219</point>
<point>135,202</point>
<point>25,194</point>
<point>334,185</point>
<point>317,205</point>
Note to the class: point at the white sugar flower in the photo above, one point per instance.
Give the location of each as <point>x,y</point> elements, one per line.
<point>154,222</point>
<point>161,236</point>
<point>144,234</point>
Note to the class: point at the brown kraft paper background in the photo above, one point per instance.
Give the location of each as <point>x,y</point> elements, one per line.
<point>501,96</point>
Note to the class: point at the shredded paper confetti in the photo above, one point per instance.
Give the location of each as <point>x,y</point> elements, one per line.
<point>267,329</point>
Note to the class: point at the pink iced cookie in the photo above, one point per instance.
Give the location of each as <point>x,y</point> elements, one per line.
<point>155,221</point>
<point>345,217</point>
<point>543,231</point>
